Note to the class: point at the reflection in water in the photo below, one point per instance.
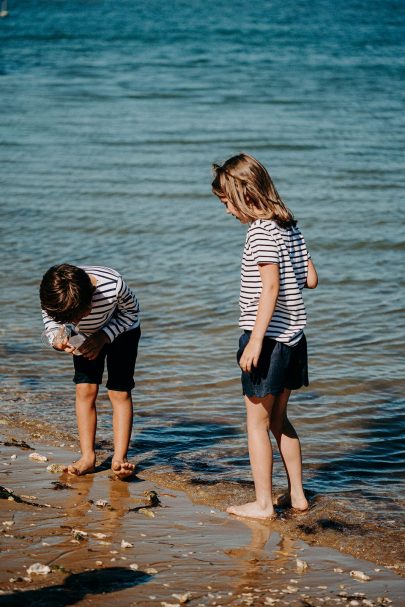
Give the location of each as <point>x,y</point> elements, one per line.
<point>268,551</point>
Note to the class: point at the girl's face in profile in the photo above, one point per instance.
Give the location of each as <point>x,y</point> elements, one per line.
<point>231,210</point>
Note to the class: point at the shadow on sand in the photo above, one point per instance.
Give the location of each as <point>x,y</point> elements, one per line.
<point>76,586</point>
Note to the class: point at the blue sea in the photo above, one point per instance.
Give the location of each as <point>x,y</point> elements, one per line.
<point>111,116</point>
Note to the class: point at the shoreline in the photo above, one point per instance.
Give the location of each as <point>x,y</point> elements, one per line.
<point>184,547</point>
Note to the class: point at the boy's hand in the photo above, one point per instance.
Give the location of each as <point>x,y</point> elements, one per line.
<point>93,345</point>
<point>250,356</point>
<point>63,345</point>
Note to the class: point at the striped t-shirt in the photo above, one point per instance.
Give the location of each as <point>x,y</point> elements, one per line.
<point>265,243</point>
<point>114,307</point>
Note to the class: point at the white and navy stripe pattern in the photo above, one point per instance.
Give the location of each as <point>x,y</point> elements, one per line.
<point>265,243</point>
<point>114,307</point>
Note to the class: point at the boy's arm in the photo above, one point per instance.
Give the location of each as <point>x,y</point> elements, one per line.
<point>270,277</point>
<point>50,325</point>
<point>127,312</point>
<point>51,328</point>
<point>126,317</point>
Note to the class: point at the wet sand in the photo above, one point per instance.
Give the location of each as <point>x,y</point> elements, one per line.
<point>147,543</point>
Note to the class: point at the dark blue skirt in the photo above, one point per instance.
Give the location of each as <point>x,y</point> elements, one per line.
<point>279,367</point>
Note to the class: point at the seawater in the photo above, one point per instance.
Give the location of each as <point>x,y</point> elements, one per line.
<point>111,115</point>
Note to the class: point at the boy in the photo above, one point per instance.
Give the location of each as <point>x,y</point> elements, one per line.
<point>99,305</point>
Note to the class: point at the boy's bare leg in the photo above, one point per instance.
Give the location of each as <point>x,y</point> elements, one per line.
<point>122,425</point>
<point>86,414</point>
<point>290,449</point>
<point>261,458</point>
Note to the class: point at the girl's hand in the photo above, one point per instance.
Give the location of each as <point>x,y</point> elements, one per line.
<point>250,356</point>
<point>93,345</point>
<point>63,346</point>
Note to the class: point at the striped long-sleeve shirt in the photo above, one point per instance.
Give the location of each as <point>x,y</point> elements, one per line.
<point>266,243</point>
<point>114,307</point>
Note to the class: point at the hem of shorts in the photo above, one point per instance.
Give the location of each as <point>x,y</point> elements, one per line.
<point>262,395</point>
<point>120,388</point>
<point>85,381</point>
<point>273,392</point>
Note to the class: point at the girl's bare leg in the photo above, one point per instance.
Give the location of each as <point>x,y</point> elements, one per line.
<point>122,425</point>
<point>261,458</point>
<point>290,449</point>
<point>86,415</point>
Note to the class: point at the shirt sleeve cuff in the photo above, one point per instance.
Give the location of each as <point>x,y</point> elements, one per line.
<point>109,333</point>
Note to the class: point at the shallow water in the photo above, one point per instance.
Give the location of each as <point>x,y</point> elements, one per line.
<point>111,118</point>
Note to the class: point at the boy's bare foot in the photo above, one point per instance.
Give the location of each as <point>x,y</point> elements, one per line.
<point>252,510</point>
<point>122,468</point>
<point>84,465</point>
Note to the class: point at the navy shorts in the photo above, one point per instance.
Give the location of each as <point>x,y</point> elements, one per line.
<point>279,367</point>
<point>120,356</point>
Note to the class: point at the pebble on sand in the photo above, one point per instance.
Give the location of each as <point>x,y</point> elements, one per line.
<point>101,503</point>
<point>56,468</point>
<point>38,569</point>
<point>359,575</point>
<point>125,544</point>
<point>182,598</point>
<point>147,512</point>
<point>38,457</point>
<point>301,565</point>
<point>290,589</point>
<point>78,534</point>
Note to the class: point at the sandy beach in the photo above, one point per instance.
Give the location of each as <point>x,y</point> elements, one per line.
<point>145,542</point>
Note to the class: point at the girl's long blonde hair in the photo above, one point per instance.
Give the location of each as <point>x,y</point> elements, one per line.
<point>248,186</point>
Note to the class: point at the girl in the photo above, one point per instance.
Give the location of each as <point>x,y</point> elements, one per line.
<point>272,352</point>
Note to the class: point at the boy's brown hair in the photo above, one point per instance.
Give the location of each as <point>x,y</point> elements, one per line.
<point>66,292</point>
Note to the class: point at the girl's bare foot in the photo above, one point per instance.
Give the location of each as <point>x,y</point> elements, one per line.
<point>299,504</point>
<point>252,510</point>
<point>122,468</point>
<point>85,465</point>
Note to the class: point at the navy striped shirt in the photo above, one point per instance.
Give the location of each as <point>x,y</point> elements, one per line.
<point>114,307</point>
<point>266,243</point>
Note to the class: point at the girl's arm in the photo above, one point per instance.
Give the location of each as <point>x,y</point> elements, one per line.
<point>269,274</point>
<point>312,277</point>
